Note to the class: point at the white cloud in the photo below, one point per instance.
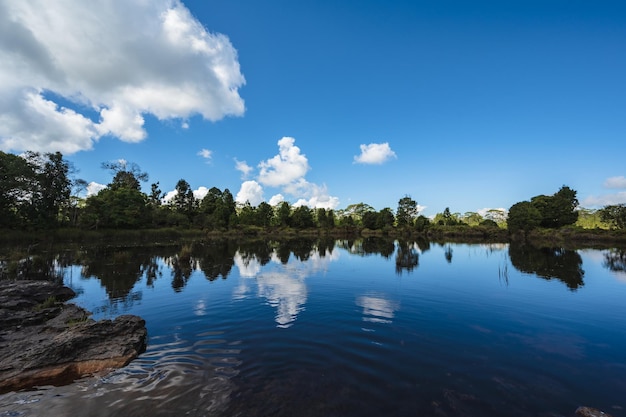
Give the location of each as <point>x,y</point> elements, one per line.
<point>169,196</point>
<point>287,170</point>
<point>615,182</point>
<point>94,188</point>
<point>200,193</point>
<point>605,200</point>
<point>250,191</point>
<point>375,153</point>
<point>206,154</point>
<point>311,195</point>
<point>243,167</point>
<point>288,166</point>
<point>74,71</point>
<point>276,200</point>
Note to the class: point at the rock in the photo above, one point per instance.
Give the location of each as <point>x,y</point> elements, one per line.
<point>590,412</point>
<point>46,342</point>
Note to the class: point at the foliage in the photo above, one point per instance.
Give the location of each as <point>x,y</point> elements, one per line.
<point>553,211</point>
<point>407,211</point>
<point>121,204</point>
<point>590,219</point>
<point>34,190</point>
<point>302,218</point>
<point>523,216</point>
<point>614,215</point>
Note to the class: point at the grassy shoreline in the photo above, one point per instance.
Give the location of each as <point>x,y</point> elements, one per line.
<point>569,237</point>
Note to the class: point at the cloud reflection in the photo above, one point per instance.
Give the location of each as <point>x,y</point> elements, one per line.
<point>377,308</point>
<point>283,286</point>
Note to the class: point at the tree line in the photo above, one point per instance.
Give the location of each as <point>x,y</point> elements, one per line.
<point>39,191</point>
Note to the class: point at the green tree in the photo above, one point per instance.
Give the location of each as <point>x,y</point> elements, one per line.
<point>156,195</point>
<point>17,183</point>
<point>184,201</point>
<point>422,223</point>
<point>325,218</point>
<point>385,218</point>
<point>125,174</point>
<point>614,215</point>
<point>283,214</point>
<point>557,210</point>
<point>302,218</point>
<point>121,204</point>
<point>523,216</point>
<point>370,220</point>
<point>264,214</point>
<point>357,211</point>
<point>472,218</point>
<point>407,211</point>
<point>218,208</point>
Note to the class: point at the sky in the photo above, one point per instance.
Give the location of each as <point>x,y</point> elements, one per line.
<point>462,104</point>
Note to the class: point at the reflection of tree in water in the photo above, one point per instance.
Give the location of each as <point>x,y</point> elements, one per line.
<point>615,260</point>
<point>283,252</point>
<point>215,258</point>
<point>119,269</point>
<point>562,264</point>
<point>407,257</point>
<point>325,245</point>
<point>374,245</point>
<point>448,253</point>
<point>261,251</point>
<point>302,248</point>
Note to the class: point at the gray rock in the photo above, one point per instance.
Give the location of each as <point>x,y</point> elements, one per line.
<point>590,412</point>
<point>44,341</point>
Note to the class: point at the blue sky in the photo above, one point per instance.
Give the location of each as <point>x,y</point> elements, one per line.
<point>459,104</point>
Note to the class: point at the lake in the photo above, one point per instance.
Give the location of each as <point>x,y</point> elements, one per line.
<point>368,327</point>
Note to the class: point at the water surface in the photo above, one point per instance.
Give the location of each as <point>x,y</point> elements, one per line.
<point>351,328</point>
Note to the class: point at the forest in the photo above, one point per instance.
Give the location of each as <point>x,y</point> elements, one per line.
<point>41,192</point>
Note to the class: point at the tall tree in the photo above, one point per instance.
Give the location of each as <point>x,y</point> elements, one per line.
<point>283,214</point>
<point>121,204</point>
<point>184,201</point>
<point>125,174</point>
<point>17,181</point>
<point>407,211</point>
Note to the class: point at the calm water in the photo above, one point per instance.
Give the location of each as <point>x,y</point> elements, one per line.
<point>359,328</point>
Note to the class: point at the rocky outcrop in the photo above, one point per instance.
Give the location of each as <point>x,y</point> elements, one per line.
<point>590,412</point>
<point>45,341</point>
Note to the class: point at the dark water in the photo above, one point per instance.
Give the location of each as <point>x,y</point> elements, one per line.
<point>363,328</point>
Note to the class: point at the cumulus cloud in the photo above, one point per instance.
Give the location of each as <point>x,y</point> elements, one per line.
<point>615,182</point>
<point>282,169</point>
<point>276,200</point>
<point>250,191</point>
<point>198,194</point>
<point>374,153</point>
<point>94,188</point>
<point>312,195</point>
<point>287,171</point>
<point>206,154</point>
<point>243,167</point>
<point>74,71</point>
